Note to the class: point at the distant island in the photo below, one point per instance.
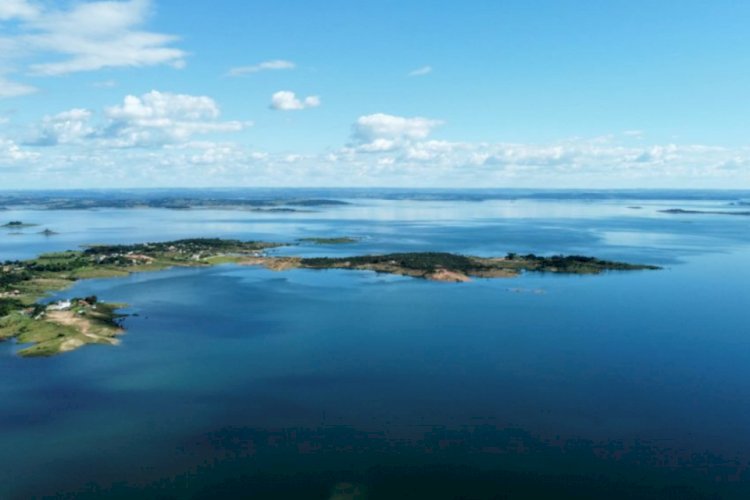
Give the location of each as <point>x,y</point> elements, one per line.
<point>172,202</point>
<point>17,224</point>
<point>67,325</point>
<point>442,266</point>
<point>679,211</point>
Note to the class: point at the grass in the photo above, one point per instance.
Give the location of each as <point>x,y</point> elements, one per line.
<point>223,259</point>
<point>47,337</point>
<point>98,272</point>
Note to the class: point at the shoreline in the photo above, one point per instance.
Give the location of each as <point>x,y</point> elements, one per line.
<point>68,325</point>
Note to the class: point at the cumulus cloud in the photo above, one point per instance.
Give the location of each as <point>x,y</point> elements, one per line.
<point>10,152</point>
<point>540,156</point>
<point>420,163</point>
<point>209,153</point>
<point>383,150</point>
<point>152,120</point>
<point>157,118</point>
<point>64,128</point>
<point>424,70</point>
<point>382,132</point>
<point>274,65</point>
<point>433,150</point>
<point>285,100</point>
<point>82,37</point>
<point>392,145</point>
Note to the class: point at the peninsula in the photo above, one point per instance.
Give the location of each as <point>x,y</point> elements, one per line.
<point>67,325</point>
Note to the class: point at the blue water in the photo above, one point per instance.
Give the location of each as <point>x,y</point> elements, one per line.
<point>218,363</point>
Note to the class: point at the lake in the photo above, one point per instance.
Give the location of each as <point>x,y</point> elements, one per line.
<point>245,382</point>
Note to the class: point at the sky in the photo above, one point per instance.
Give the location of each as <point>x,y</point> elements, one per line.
<point>417,93</point>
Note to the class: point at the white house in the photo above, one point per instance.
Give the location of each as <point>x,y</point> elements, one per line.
<point>62,305</point>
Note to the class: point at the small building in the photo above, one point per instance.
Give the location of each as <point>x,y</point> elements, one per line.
<point>62,305</point>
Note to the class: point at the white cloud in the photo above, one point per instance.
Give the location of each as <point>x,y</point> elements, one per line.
<point>385,150</point>
<point>104,84</point>
<point>154,106</point>
<point>277,64</point>
<point>14,89</point>
<point>158,118</point>
<point>285,100</point>
<point>84,37</point>
<point>12,152</point>
<point>217,154</point>
<point>64,128</point>
<point>379,145</point>
<point>539,156</point>
<point>424,70</point>
<point>17,9</point>
<point>419,163</point>
<point>152,120</point>
<point>371,130</point>
<point>433,150</point>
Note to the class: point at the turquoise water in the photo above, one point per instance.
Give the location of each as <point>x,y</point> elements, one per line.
<point>240,381</point>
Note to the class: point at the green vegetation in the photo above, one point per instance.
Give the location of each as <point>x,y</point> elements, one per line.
<point>182,247</point>
<point>427,264</point>
<point>54,331</point>
<point>422,261</point>
<point>47,337</point>
<point>576,264</point>
<point>9,305</point>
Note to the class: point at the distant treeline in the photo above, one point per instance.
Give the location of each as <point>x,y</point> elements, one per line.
<point>573,262</point>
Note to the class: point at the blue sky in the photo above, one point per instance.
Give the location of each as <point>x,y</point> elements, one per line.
<point>374,93</point>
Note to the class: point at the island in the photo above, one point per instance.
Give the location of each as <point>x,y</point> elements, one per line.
<point>53,328</point>
<point>17,224</point>
<point>171,201</point>
<point>682,211</point>
<point>443,266</point>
